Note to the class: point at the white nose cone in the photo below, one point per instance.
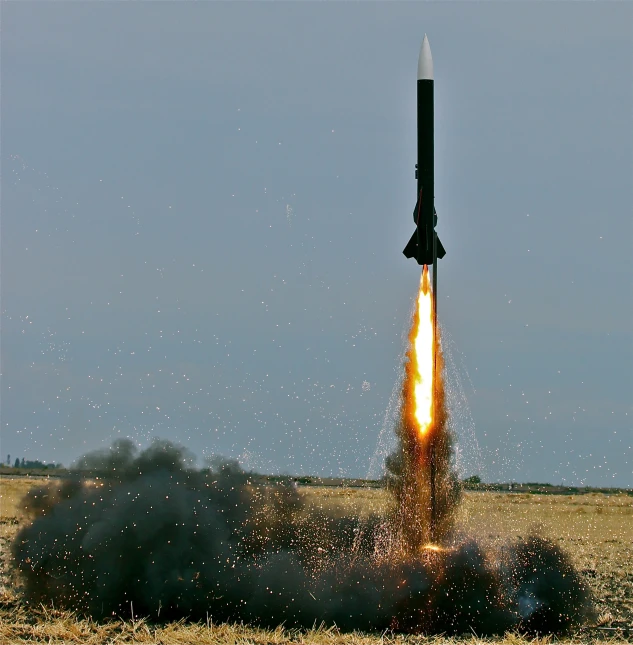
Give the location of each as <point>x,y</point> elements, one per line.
<point>425,62</point>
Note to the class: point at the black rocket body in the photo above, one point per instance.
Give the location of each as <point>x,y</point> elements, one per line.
<point>424,245</point>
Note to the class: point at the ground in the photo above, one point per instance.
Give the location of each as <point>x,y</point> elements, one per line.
<point>595,529</point>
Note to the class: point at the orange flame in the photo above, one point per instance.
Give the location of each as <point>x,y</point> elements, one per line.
<point>422,356</point>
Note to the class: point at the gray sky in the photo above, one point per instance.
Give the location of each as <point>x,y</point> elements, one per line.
<point>204,207</point>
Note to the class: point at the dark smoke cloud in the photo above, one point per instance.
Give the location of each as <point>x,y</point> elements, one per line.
<point>147,530</point>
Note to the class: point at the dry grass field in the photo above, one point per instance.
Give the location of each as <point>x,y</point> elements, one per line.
<point>595,529</point>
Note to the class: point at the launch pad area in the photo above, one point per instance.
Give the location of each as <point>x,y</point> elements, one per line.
<point>593,528</point>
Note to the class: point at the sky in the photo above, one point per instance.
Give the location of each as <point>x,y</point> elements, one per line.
<point>204,207</point>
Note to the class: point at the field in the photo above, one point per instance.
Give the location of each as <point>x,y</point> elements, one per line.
<point>595,529</point>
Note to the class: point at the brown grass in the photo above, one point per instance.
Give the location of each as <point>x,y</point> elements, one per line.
<point>13,489</point>
<point>596,530</point>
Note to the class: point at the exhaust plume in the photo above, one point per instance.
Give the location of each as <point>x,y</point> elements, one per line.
<point>424,486</point>
<point>148,532</point>
<point>145,529</point>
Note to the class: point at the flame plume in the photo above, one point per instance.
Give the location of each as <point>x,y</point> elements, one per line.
<point>421,358</point>
<point>424,487</point>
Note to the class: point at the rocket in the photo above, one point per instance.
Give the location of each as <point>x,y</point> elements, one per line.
<point>424,245</point>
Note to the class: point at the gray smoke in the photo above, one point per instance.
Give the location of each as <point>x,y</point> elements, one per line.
<point>147,530</point>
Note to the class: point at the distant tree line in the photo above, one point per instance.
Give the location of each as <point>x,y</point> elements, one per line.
<point>31,463</point>
<point>473,479</point>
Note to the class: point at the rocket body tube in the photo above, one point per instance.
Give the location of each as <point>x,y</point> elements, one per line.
<point>426,162</point>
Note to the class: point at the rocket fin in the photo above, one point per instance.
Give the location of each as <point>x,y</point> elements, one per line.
<point>440,249</point>
<point>411,249</point>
